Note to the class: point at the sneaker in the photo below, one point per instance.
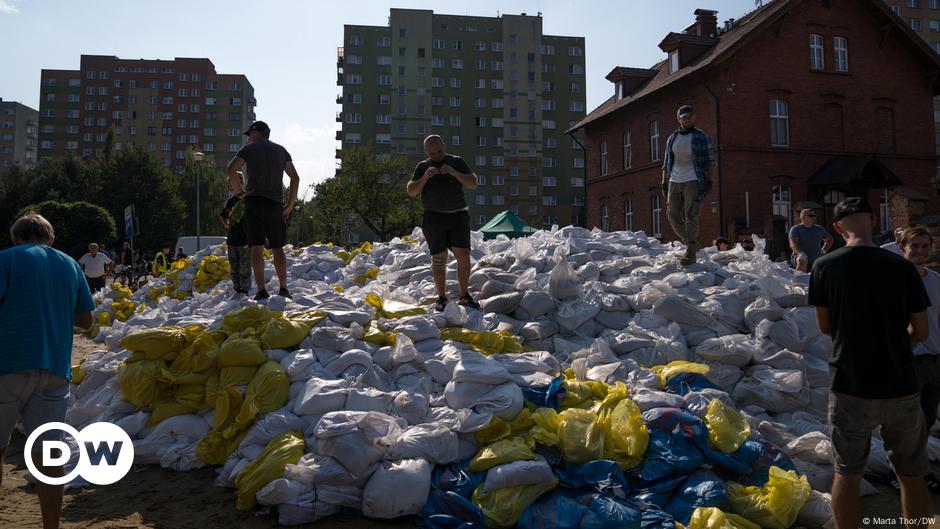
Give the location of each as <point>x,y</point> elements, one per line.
<point>284,293</point>
<point>467,300</point>
<point>262,295</point>
<point>441,304</point>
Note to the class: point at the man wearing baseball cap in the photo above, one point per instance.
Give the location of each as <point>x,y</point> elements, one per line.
<point>873,304</point>
<point>265,213</point>
<point>688,171</point>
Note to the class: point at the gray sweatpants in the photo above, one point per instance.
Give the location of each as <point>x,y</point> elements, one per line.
<point>239,260</point>
<point>684,210</point>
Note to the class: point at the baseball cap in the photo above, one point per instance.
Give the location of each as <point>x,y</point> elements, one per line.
<point>260,126</point>
<point>850,206</point>
<point>685,110</point>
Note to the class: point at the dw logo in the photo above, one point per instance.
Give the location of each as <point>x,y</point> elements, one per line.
<point>106,453</point>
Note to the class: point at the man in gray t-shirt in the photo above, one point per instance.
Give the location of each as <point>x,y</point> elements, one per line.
<point>808,241</point>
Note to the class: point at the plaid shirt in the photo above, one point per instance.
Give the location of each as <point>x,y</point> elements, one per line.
<point>702,157</point>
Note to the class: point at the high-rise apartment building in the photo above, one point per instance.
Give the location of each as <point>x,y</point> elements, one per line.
<point>162,106</point>
<point>19,128</point>
<point>499,92</point>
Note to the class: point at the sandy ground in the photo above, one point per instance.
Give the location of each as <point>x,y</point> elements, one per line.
<point>150,497</point>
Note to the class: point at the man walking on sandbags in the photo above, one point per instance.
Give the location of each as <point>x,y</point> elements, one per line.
<point>873,304</point>
<point>688,171</point>
<point>265,213</point>
<point>440,181</point>
<point>808,241</point>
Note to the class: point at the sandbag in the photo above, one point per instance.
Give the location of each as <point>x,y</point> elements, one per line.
<point>776,504</point>
<point>397,488</point>
<point>283,450</point>
<point>434,442</point>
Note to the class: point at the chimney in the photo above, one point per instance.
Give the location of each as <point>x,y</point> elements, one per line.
<point>706,23</point>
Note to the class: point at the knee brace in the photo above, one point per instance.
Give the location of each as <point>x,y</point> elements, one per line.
<point>439,262</point>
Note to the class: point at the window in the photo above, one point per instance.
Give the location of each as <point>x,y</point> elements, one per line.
<point>933,4</point>
<point>779,123</point>
<point>402,109</point>
<point>499,180</point>
<point>383,139</point>
<point>481,180</point>
<point>781,202</point>
<point>352,137</point>
<point>384,80</point>
<point>496,46</point>
<point>498,200</point>
<point>383,42</point>
<point>657,216</point>
<point>457,64</point>
<point>402,52</point>
<point>481,141</point>
<point>353,117</point>
<point>455,101</point>
<point>455,121</point>
<point>496,65</point>
<point>913,4</point>
<point>674,61</point>
<point>575,88</point>
<point>654,141</point>
<point>628,215</point>
<point>549,181</point>
<point>841,46</point>
<point>383,119</point>
<point>480,160</point>
<point>915,24</point>
<point>603,152</point>
<point>455,45</point>
<point>884,211</point>
<point>455,83</point>
<point>605,218</point>
<point>548,124</point>
<point>575,69</point>
<point>816,52</point>
<point>481,199</point>
<point>577,163</point>
<point>575,51</point>
<point>627,151</point>
<point>934,24</point>
<point>576,106</point>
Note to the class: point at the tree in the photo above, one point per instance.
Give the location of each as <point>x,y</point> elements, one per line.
<point>213,190</point>
<point>76,224</point>
<point>329,213</point>
<point>373,188</point>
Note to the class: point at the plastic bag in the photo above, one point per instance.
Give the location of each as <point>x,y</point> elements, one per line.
<point>290,330</point>
<point>714,518</point>
<point>153,344</point>
<point>776,504</point>
<point>500,452</point>
<point>727,430</point>
<point>393,309</point>
<point>253,317</point>
<point>502,508</point>
<point>563,281</point>
<point>666,372</point>
<point>285,449</point>
<point>625,434</point>
<point>735,349</point>
<point>703,488</point>
<point>518,473</point>
<point>238,350</point>
<point>563,509</point>
<point>581,437</point>
<point>397,488</point>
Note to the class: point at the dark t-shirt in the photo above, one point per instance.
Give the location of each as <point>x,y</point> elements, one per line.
<point>236,234</point>
<point>127,257</point>
<point>265,160</point>
<point>442,192</point>
<point>809,239</point>
<point>871,294</point>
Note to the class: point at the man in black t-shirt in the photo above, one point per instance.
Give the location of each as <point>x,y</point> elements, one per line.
<point>440,181</point>
<point>265,214</point>
<point>872,302</point>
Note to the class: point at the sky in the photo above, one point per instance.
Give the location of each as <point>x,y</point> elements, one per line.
<point>287,48</point>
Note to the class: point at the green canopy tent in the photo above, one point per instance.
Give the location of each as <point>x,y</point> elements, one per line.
<point>508,224</point>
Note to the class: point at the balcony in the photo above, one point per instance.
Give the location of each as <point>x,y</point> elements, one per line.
<point>339,79</point>
<point>339,135</point>
<point>339,117</point>
<point>340,56</point>
<point>339,99</point>
<point>339,154</point>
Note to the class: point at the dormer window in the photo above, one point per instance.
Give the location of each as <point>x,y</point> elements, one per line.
<point>674,61</point>
<point>618,90</point>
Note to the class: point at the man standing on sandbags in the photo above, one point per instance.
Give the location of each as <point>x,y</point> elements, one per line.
<point>43,293</point>
<point>688,171</point>
<point>265,213</point>
<point>873,304</point>
<point>808,241</point>
<point>440,181</point>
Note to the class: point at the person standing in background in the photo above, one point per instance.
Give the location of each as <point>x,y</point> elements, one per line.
<point>96,266</point>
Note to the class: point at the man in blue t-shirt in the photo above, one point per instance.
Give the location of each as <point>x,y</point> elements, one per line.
<point>43,295</point>
<point>808,241</point>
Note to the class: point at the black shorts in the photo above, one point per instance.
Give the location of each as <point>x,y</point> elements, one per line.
<point>264,219</point>
<point>95,283</point>
<point>446,230</point>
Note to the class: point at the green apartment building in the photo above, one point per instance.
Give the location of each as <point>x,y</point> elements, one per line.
<point>499,91</point>
<point>165,107</point>
<point>19,129</point>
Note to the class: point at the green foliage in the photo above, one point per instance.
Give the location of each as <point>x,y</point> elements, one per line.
<point>76,224</point>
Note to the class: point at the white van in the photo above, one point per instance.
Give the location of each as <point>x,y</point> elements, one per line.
<point>188,244</point>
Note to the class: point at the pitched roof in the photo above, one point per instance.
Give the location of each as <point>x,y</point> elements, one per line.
<point>727,42</point>
<point>853,169</point>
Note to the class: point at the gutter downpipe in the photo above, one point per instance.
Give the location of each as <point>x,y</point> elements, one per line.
<point>721,198</point>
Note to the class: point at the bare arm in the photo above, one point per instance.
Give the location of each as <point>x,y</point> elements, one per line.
<point>467,180</point>
<point>795,245</point>
<point>83,320</point>
<point>233,181</point>
<point>294,185</point>
<point>822,319</point>
<point>415,187</point>
<point>920,330</point>
<point>827,243</point>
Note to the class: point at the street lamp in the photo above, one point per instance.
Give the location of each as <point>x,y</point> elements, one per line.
<point>198,157</point>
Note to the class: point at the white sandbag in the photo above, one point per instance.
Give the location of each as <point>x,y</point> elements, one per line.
<point>411,406</point>
<point>614,320</point>
<point>678,309</point>
<point>353,362</point>
<point>571,314</point>
<point>474,367</point>
<point>814,447</point>
<point>356,439</point>
<point>271,425</point>
<point>503,303</point>
<point>537,303</point>
<point>133,424</point>
<point>697,402</point>
<point>753,392</point>
<point>787,334</point>
<point>735,350</point>
<point>281,490</point>
<point>397,488</point>
<point>613,302</point>
<point>418,328</point>
<point>563,282</point>
<point>305,509</point>
<point>539,330</point>
<point>785,380</point>
<point>192,427</point>
<point>504,400</point>
<point>762,308</point>
<point>782,359</point>
<point>518,473</point>
<point>314,469</point>
<point>322,396</point>
<point>404,350</point>
<point>369,399</point>
<point>432,441</point>
<point>648,399</point>
<point>530,362</point>
<point>724,376</point>
<point>817,511</point>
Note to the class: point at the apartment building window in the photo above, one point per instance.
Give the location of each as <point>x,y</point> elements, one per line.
<point>548,67</point>
<point>481,180</point>
<point>457,64</point>
<point>913,4</point>
<point>575,69</point>
<point>657,216</point>
<point>75,82</point>
<point>438,44</point>
<point>384,80</point>
<point>382,119</point>
<point>437,121</point>
<point>915,24</point>
<point>817,51</point>
<point>934,24</point>
<point>72,114</point>
<point>383,42</point>
<point>577,163</point>
<point>383,139</point>
<point>496,46</point>
<point>497,161</point>
<point>628,215</point>
<point>779,123</point>
<point>841,47</point>
<point>481,199</point>
<point>654,141</point>
<point>627,150</point>
<point>548,124</point>
<point>781,202</point>
<point>496,65</point>
<point>513,171</point>
<point>549,181</point>
<point>499,180</point>
<point>182,107</point>
<point>480,160</point>
<point>576,106</point>
<point>455,83</point>
<point>456,140</point>
<point>234,133</point>
<point>605,218</point>
<point>498,200</point>
<point>933,4</point>
<point>575,88</point>
<point>352,137</point>
<point>353,117</point>
<point>402,109</point>
<point>455,121</point>
<point>454,101</point>
<point>603,157</point>
<point>549,200</point>
<point>548,161</point>
<point>481,141</point>
<point>402,52</point>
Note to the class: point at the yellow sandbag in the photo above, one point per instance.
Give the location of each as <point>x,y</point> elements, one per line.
<point>666,372</point>
<point>727,429</point>
<point>379,337</point>
<point>206,350</point>
<point>715,518</point>
<point>251,317</point>
<point>139,382</point>
<point>582,394</point>
<point>236,376</point>
<point>290,330</point>
<point>490,342</point>
<point>78,375</point>
<point>502,451</point>
<point>267,391</point>
<point>241,351</point>
<point>104,318</point>
<point>499,429</point>
<point>626,435</point>
<point>457,334</point>
<point>371,275</point>
<point>393,309</point>
<point>285,449</point>
<point>545,427</point>
<point>503,507</point>
<point>191,395</point>
<point>168,408</point>
<point>161,342</point>
<point>228,403</point>
<point>581,438</point>
<point>216,447</point>
<point>776,504</point>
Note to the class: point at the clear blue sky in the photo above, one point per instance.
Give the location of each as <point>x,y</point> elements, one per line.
<point>287,48</point>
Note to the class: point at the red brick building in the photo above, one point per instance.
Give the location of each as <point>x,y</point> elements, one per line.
<point>806,101</point>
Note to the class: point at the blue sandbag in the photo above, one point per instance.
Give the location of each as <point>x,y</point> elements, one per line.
<point>666,454</point>
<point>601,475</point>
<point>449,505</point>
<point>567,510</point>
<point>657,492</point>
<point>703,488</point>
<point>546,396</point>
<point>688,382</point>
<point>678,422</point>
<point>654,518</point>
<point>750,464</point>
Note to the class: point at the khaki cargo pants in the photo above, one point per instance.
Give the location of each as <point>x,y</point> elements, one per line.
<point>684,210</point>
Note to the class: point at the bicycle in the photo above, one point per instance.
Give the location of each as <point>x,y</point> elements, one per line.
<point>134,276</point>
